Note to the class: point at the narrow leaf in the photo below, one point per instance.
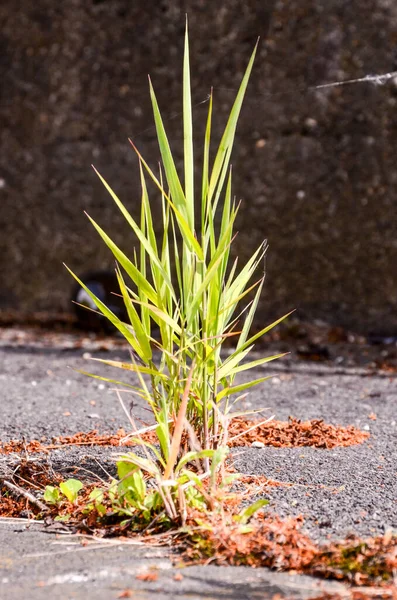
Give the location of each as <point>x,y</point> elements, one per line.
<point>188,135</point>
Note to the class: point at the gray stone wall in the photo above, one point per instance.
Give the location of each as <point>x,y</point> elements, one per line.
<point>316,169</point>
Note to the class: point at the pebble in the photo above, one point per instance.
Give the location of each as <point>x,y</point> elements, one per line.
<point>257,445</point>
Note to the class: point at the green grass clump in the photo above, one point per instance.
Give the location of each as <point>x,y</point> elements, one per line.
<point>187,286</point>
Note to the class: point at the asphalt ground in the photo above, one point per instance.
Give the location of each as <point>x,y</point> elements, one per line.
<point>338,491</point>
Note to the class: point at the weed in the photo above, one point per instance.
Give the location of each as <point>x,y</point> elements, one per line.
<point>187,286</point>
<point>68,490</point>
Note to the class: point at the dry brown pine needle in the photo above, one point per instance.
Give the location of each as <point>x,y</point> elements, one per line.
<point>279,544</point>
<point>294,432</point>
<point>279,434</point>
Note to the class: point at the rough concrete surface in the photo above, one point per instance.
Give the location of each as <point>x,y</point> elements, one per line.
<point>37,565</point>
<point>315,169</point>
<point>337,491</point>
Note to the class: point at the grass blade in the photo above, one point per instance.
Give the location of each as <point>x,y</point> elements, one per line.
<point>188,134</point>
<point>136,276</point>
<point>221,162</point>
<point>171,174</point>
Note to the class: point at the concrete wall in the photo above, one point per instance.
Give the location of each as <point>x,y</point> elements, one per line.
<point>316,169</point>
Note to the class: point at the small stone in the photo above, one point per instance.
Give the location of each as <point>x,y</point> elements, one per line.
<point>310,123</point>
<point>87,355</point>
<point>258,445</point>
<point>366,427</point>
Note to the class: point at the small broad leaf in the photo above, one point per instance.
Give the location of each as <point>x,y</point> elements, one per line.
<point>101,509</point>
<point>96,495</point>
<point>131,483</point>
<point>124,469</point>
<point>51,494</point>
<point>153,501</point>
<point>70,489</point>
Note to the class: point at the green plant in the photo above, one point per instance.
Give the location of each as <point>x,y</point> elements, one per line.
<point>52,494</point>
<point>186,284</point>
<point>68,489</point>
